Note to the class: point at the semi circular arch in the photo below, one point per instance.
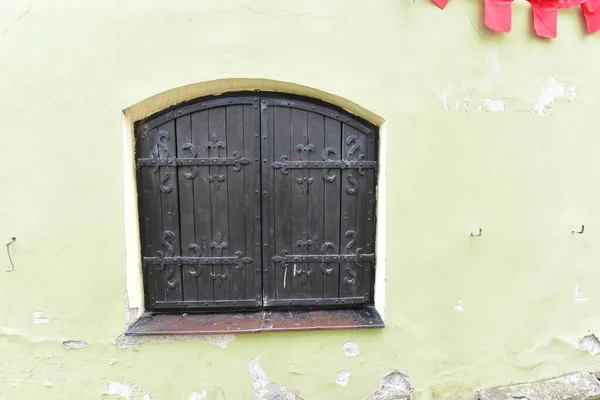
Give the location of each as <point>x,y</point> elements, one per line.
<point>172,97</point>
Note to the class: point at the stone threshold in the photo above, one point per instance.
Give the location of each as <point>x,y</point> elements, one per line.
<point>254,322</point>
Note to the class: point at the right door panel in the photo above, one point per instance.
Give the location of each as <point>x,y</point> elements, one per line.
<point>319,175</point>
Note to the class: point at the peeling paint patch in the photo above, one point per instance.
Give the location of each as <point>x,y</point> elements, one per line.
<point>119,389</point>
<point>579,298</point>
<point>351,349</point>
<point>590,343</point>
<point>459,304</point>
<point>38,318</point>
<point>75,344</point>
<point>395,384</point>
<point>264,389</point>
<point>444,99</point>
<point>131,314</point>
<point>492,105</point>
<point>342,377</point>
<point>550,93</point>
<point>146,397</point>
<point>198,396</point>
<point>133,341</point>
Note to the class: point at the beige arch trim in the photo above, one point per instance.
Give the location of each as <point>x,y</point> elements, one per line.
<point>164,100</point>
<point>174,96</point>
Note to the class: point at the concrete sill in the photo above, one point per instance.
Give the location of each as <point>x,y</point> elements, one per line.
<point>254,322</point>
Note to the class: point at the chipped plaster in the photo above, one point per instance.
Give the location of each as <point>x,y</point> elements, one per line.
<point>351,349</point>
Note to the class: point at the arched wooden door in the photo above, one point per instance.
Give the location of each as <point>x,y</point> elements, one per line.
<point>256,200</point>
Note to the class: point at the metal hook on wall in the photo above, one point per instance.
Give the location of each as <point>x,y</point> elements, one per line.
<point>12,265</point>
<point>477,234</point>
<point>580,231</point>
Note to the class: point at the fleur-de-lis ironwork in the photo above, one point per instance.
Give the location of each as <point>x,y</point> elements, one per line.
<point>196,251</point>
<point>325,252</point>
<point>216,180</point>
<point>219,246</point>
<point>304,181</point>
<point>214,142</point>
<point>303,271</point>
<point>193,171</point>
<point>281,164</point>
<point>305,147</point>
<point>304,242</point>
<point>241,260</point>
<point>169,270</point>
<point>280,259</point>
<point>239,161</point>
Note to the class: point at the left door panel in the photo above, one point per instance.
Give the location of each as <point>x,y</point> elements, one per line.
<point>199,202</point>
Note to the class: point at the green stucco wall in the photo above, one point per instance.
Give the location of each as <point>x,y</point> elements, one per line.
<point>526,173</point>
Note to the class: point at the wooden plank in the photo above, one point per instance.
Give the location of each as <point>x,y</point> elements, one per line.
<point>371,209</point>
<point>348,214</point>
<point>299,210</point>
<point>269,267</point>
<point>185,179</point>
<point>151,218</point>
<point>315,210</point>
<point>202,205</point>
<point>363,278</point>
<point>169,199</point>
<point>282,200</point>
<point>333,207</point>
<point>252,200</point>
<point>219,202</point>
<point>236,212</point>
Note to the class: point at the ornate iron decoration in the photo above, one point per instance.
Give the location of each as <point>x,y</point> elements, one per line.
<point>285,258</point>
<point>351,280</point>
<point>160,159</point>
<point>350,162</point>
<point>165,260</point>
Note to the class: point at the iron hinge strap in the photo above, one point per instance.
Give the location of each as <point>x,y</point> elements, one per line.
<point>324,164</point>
<point>324,258</point>
<point>174,162</point>
<point>194,260</point>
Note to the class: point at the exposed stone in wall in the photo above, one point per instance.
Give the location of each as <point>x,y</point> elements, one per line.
<point>590,343</point>
<point>264,389</point>
<point>576,386</point>
<point>394,385</point>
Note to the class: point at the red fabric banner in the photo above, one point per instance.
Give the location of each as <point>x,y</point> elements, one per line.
<point>545,14</point>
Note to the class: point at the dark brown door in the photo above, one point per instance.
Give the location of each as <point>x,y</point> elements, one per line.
<point>249,201</point>
<point>199,191</point>
<point>319,206</point>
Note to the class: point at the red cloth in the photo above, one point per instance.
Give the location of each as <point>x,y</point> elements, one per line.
<point>545,14</point>
<point>498,15</point>
<point>591,13</point>
<point>441,3</point>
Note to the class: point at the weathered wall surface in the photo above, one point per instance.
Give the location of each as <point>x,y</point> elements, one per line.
<point>482,130</point>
